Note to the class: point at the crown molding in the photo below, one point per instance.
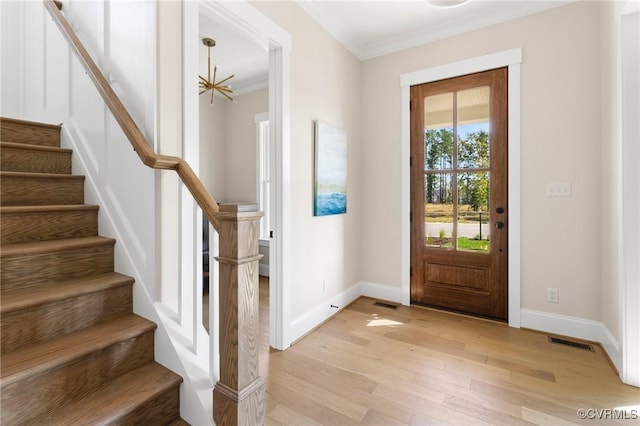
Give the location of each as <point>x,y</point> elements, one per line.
<point>248,86</point>
<point>496,13</point>
<point>334,26</point>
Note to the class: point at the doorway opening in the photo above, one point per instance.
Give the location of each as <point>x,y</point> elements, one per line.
<point>275,42</point>
<point>459,194</point>
<point>512,60</point>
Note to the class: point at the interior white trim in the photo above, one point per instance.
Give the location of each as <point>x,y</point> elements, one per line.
<point>509,58</point>
<point>579,328</point>
<point>263,270</point>
<point>514,192</point>
<point>262,29</point>
<point>563,325</point>
<point>259,118</point>
<point>504,11</point>
<point>335,26</point>
<point>316,316</point>
<point>260,82</point>
<point>628,62</point>
<point>611,346</point>
<point>383,292</point>
<point>339,28</point>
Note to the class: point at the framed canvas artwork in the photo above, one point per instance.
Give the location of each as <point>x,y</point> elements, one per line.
<point>330,188</point>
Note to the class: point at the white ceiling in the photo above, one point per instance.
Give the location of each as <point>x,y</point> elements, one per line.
<point>368,28</point>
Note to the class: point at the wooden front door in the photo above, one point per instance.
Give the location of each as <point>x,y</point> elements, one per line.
<point>459,194</point>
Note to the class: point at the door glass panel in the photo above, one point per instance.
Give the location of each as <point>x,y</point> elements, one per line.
<point>473,127</point>
<point>439,218</point>
<point>473,228</point>
<point>456,181</point>
<point>438,132</point>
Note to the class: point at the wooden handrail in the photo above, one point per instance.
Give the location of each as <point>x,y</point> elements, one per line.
<point>239,394</point>
<point>140,144</point>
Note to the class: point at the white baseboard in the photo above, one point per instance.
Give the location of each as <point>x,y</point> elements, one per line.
<point>307,322</point>
<point>611,346</point>
<point>561,324</point>
<point>383,292</point>
<point>263,270</point>
<point>579,328</point>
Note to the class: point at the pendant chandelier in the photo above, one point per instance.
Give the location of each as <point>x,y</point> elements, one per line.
<point>207,84</point>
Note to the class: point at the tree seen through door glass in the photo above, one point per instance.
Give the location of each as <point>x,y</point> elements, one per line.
<point>456,170</point>
<point>439,210</point>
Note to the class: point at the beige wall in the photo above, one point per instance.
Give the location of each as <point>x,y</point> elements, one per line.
<point>561,140</point>
<point>241,145</point>
<point>213,133</point>
<point>325,85</point>
<point>567,132</point>
<point>228,145</point>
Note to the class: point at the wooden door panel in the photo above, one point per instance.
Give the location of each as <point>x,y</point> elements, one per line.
<point>479,303</point>
<point>458,276</point>
<point>451,267</point>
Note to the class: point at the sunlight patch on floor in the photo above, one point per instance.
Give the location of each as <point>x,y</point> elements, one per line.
<point>382,322</point>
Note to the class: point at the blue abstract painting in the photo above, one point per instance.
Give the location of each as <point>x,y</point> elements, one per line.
<point>331,170</point>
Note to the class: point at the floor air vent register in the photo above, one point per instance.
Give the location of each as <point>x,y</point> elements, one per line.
<point>578,345</point>
<point>385,305</point>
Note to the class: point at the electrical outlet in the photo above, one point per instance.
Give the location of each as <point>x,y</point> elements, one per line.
<point>552,295</point>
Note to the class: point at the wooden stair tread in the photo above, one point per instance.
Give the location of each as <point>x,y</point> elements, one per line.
<point>47,176</point>
<point>38,188</point>
<point>31,360</point>
<point>31,147</point>
<point>43,247</point>
<point>117,398</point>
<point>32,223</point>
<point>27,123</point>
<point>179,422</point>
<point>31,297</point>
<point>24,157</point>
<point>51,208</point>
<point>29,132</point>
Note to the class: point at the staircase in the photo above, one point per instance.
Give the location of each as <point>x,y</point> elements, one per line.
<point>72,351</point>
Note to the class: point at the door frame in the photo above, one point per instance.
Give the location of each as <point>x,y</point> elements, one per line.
<point>509,58</point>
<point>258,26</point>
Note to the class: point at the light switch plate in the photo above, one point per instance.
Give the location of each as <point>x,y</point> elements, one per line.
<point>558,189</point>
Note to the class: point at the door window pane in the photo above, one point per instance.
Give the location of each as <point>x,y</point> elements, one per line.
<point>456,164</point>
<point>473,230</point>
<point>439,210</point>
<point>438,132</point>
<point>473,127</point>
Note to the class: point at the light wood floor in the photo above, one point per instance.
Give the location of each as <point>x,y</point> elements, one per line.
<point>413,366</point>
